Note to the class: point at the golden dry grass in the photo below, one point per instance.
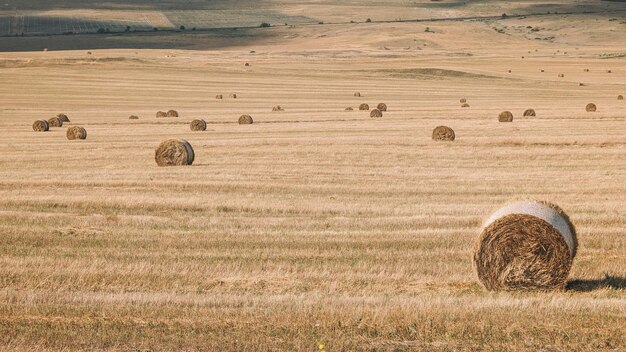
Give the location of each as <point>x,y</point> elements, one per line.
<point>311,226</point>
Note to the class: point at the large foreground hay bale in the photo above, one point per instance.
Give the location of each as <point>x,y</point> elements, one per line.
<point>63,118</point>
<point>76,132</point>
<point>525,245</point>
<point>160,114</point>
<point>172,113</point>
<point>443,133</point>
<point>133,117</point>
<point>375,113</point>
<point>364,107</point>
<point>591,107</point>
<point>505,116</point>
<point>530,112</point>
<point>463,100</point>
<point>55,122</point>
<point>41,126</point>
<point>382,107</point>
<point>198,125</point>
<point>174,152</point>
<point>277,108</point>
<point>245,120</point>
<point>620,97</point>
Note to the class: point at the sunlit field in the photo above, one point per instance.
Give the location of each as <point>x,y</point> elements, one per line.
<point>315,228</point>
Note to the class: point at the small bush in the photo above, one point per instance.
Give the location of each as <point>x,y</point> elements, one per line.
<point>265,25</point>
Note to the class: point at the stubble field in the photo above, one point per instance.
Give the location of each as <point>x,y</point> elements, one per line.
<point>313,226</point>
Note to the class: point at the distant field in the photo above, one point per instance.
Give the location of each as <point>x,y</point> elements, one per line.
<point>62,17</point>
<point>69,22</point>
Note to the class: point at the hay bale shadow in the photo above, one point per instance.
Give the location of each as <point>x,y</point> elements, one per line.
<point>609,281</point>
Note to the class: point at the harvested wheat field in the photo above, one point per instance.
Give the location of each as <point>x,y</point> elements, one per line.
<point>315,228</point>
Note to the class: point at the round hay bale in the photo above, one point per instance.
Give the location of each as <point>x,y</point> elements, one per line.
<point>247,64</point>
<point>245,120</point>
<point>466,105</point>
<point>234,96</point>
<point>382,107</point>
<point>586,70</point>
<point>63,117</point>
<point>172,113</point>
<point>219,96</point>
<point>198,125</point>
<point>525,245</point>
<point>55,122</point>
<point>443,133</point>
<point>174,152</point>
<point>133,117</point>
<point>277,108</point>
<point>591,107</point>
<point>349,108</point>
<point>543,71</point>
<point>620,97</point>
<point>505,116</point>
<point>463,100</point>
<point>160,114</point>
<point>609,71</point>
<point>530,112</point>
<point>364,107</point>
<point>41,126</point>
<point>76,132</point>
<point>375,113</point>
<point>357,94</point>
